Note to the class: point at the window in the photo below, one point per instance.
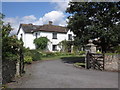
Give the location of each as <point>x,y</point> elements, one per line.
<point>54,35</point>
<point>69,36</point>
<point>21,36</point>
<point>54,47</point>
<point>36,35</point>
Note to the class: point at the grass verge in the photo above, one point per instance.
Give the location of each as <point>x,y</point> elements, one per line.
<point>59,57</point>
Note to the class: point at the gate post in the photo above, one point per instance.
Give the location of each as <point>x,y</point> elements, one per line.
<point>103,61</point>
<point>21,61</point>
<point>18,65</point>
<point>87,60</point>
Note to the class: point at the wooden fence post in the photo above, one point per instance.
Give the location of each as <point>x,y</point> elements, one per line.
<point>103,61</point>
<point>87,60</point>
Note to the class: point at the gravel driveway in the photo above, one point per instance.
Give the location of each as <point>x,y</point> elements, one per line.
<point>56,74</point>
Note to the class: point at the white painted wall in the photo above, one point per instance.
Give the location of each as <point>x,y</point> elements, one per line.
<point>70,32</point>
<point>28,38</point>
<point>23,36</point>
<point>49,35</point>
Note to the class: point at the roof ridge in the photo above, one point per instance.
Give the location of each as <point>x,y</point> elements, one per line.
<point>29,28</point>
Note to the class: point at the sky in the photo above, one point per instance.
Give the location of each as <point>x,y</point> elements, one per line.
<point>38,13</point>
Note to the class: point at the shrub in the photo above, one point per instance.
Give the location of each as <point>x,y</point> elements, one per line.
<point>36,55</point>
<point>82,52</point>
<point>50,54</point>
<point>57,54</point>
<point>43,54</point>
<point>117,49</point>
<point>99,52</point>
<point>28,59</point>
<point>41,43</point>
<point>10,56</point>
<point>27,52</point>
<point>111,53</point>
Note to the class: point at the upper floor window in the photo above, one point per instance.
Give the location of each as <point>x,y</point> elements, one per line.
<point>21,36</point>
<point>69,36</point>
<point>54,35</point>
<point>36,34</point>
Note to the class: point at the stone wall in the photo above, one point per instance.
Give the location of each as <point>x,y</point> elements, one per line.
<point>112,62</point>
<point>0,72</point>
<point>8,70</point>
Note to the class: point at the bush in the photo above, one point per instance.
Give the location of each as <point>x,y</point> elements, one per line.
<point>57,53</point>
<point>117,49</point>
<point>28,59</point>
<point>99,52</point>
<point>82,52</point>
<point>63,54</point>
<point>111,53</point>
<point>27,52</point>
<point>41,43</point>
<point>36,55</point>
<point>10,56</point>
<point>50,54</point>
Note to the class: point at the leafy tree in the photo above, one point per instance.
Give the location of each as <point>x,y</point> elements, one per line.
<point>90,20</point>
<point>11,49</point>
<point>41,43</point>
<point>10,44</point>
<point>65,45</point>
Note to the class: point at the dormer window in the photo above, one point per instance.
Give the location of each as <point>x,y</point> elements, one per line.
<point>54,35</point>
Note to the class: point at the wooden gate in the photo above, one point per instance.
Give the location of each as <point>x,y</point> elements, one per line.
<point>95,61</point>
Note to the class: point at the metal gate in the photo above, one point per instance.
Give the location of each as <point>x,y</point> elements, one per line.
<point>95,61</point>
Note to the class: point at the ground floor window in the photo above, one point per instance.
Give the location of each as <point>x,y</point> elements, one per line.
<point>54,47</point>
<point>69,36</point>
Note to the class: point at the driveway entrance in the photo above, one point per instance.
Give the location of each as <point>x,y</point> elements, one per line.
<point>57,74</point>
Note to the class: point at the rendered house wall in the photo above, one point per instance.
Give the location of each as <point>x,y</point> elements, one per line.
<point>28,38</point>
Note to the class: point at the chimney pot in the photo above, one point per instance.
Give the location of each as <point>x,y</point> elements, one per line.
<point>50,22</point>
<point>30,24</point>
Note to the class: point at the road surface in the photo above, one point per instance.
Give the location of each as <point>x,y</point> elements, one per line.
<point>57,74</point>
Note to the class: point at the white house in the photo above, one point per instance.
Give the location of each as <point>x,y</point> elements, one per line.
<point>56,34</point>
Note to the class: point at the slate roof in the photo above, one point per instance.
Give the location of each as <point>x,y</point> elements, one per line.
<point>29,28</point>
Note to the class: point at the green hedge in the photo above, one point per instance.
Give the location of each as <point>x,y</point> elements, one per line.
<point>81,52</point>
<point>111,53</point>
<point>36,55</point>
<point>28,59</point>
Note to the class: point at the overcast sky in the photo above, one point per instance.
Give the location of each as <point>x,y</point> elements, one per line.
<point>38,13</point>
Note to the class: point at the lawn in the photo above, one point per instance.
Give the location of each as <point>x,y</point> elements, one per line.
<point>36,55</point>
<point>63,57</point>
<point>77,60</point>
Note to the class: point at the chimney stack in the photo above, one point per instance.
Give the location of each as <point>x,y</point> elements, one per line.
<point>30,24</point>
<point>50,22</point>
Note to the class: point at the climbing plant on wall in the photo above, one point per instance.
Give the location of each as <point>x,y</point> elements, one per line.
<point>41,43</point>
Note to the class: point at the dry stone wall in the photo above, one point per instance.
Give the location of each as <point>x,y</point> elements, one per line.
<point>8,70</point>
<point>112,62</point>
